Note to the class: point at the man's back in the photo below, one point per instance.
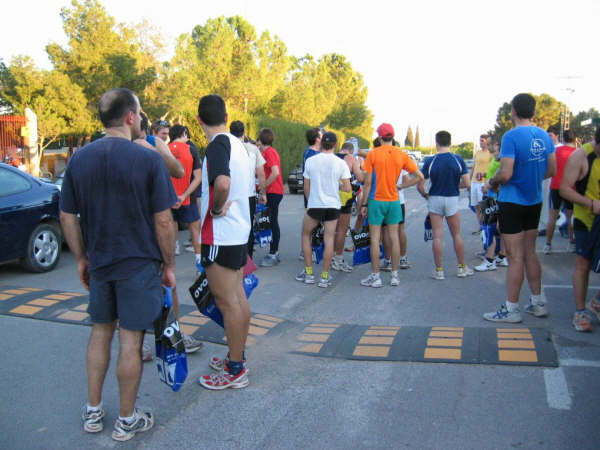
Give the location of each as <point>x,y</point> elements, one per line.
<point>386,164</point>
<point>530,148</point>
<point>116,186</point>
<point>562,155</point>
<point>324,171</point>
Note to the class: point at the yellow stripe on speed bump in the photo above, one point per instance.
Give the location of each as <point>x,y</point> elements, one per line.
<point>5,296</point>
<point>514,343</point>
<point>441,341</point>
<point>58,297</point>
<point>314,337</point>
<point>515,336</point>
<point>270,318</point>
<point>449,334</point>
<point>42,302</point>
<point>75,316</point>
<point>262,323</point>
<point>443,353</point>
<point>438,342</point>
<point>319,330</point>
<point>379,332</point>
<point>16,291</point>
<point>310,348</point>
<point>376,340</point>
<point>371,350</point>
<point>26,310</point>
<point>518,355</point>
<point>194,320</point>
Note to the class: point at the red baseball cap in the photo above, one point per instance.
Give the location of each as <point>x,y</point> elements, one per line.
<point>385,130</point>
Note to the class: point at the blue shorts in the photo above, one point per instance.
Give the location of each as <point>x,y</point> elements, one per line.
<point>186,214</point>
<point>584,244</point>
<point>135,301</point>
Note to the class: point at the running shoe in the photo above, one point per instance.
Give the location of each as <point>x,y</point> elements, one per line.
<point>189,248</point>
<point>593,305</point>
<point>438,274</point>
<point>537,310</point>
<point>395,280</point>
<point>547,249</point>
<point>349,248</point>
<point>581,321</point>
<point>146,353</point>
<point>301,256</point>
<point>217,363</point>
<point>504,315</point>
<point>404,264</point>
<point>501,262</point>
<point>385,265</point>
<point>223,380</point>
<point>308,279</point>
<point>177,253</point>
<point>269,260</point>
<point>191,343</point>
<point>142,421</point>
<point>92,420</point>
<point>464,272</point>
<point>340,265</point>
<point>485,266</point>
<point>571,247</point>
<point>324,282</point>
<point>373,280</point>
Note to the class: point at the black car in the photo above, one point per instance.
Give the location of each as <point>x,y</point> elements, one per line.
<point>295,180</point>
<point>29,220</point>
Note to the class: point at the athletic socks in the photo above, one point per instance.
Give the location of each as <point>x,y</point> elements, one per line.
<point>308,270</point>
<point>510,306</point>
<point>537,300</point>
<point>98,407</point>
<point>127,419</point>
<point>325,275</point>
<point>235,367</point>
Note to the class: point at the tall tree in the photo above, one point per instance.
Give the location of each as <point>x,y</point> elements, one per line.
<point>409,141</point>
<point>584,133</point>
<point>417,138</point>
<point>101,54</point>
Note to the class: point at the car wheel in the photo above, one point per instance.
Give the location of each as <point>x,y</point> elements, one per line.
<point>44,248</point>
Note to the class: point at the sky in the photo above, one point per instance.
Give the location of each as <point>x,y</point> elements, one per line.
<point>435,64</point>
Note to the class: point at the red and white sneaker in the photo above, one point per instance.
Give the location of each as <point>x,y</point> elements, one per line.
<point>223,380</point>
<point>217,363</point>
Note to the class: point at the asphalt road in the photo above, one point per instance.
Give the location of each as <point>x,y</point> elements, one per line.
<point>301,401</point>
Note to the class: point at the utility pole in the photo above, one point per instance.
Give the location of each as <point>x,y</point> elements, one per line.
<point>565,113</point>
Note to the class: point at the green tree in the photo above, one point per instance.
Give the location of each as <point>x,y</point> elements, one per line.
<point>60,105</point>
<point>584,132</point>
<point>409,141</point>
<point>101,54</point>
<point>465,150</point>
<point>417,138</point>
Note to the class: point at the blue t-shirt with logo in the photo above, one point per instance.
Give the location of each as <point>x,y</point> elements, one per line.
<point>307,154</point>
<point>444,170</point>
<point>530,147</point>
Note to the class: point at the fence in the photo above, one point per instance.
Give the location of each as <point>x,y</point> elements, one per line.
<point>11,141</point>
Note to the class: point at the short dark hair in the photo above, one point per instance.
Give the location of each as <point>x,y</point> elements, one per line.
<point>376,142</point>
<point>237,128</point>
<point>211,110</point>
<point>312,134</point>
<point>524,105</point>
<point>176,131</point>
<point>145,123</point>
<point>159,124</point>
<point>266,136</point>
<point>443,138</point>
<point>553,129</point>
<point>348,146</point>
<point>569,136</point>
<point>114,104</point>
<point>484,136</point>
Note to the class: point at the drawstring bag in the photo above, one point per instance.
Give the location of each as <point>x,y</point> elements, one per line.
<point>171,359</point>
<point>317,242</point>
<point>428,235</point>
<point>262,226</point>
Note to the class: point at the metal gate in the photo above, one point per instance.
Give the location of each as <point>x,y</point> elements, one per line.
<point>11,141</point>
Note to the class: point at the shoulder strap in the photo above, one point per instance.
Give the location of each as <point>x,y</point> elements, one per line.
<point>581,185</point>
<point>430,165</point>
<point>457,162</point>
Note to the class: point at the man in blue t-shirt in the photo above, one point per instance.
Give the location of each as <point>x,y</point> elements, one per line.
<point>526,159</point>
<point>123,245</point>
<point>446,171</point>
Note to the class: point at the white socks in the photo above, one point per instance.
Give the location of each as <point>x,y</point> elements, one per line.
<point>510,306</point>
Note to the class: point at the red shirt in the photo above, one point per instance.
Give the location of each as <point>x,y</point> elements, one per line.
<point>562,155</point>
<point>181,152</point>
<point>272,159</point>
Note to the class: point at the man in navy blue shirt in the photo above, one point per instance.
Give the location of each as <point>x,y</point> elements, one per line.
<point>526,159</point>
<point>123,245</point>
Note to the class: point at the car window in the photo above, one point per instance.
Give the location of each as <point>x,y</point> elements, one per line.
<point>12,183</point>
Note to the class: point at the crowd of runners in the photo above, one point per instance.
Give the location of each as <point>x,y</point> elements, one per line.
<point>124,195</point>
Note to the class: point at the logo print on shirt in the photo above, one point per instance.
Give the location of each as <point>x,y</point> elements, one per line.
<point>537,150</point>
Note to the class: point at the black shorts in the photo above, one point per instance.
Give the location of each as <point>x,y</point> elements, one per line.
<point>231,256</point>
<point>514,218</point>
<point>186,214</point>
<point>323,214</point>
<point>347,208</point>
<point>556,200</point>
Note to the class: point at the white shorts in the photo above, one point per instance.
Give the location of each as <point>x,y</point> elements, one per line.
<point>443,206</point>
<point>476,193</point>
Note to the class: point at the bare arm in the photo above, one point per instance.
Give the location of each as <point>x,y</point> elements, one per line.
<point>221,187</point>
<point>551,168</point>
<point>72,232</point>
<point>421,189</point>
<point>575,170</point>
<point>366,191</point>
<point>165,235</point>
<point>194,184</point>
<point>260,175</point>
<point>306,187</point>
<point>273,176</point>
<point>346,186</point>
<point>465,181</point>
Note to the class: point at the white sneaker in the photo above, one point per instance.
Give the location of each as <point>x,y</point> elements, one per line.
<point>373,280</point>
<point>395,281</point>
<point>340,265</point>
<point>404,264</point>
<point>307,279</point>
<point>438,274</point>
<point>547,249</point>
<point>504,315</point>
<point>464,271</point>
<point>501,262</point>
<point>324,282</point>
<point>177,250</point>
<point>485,266</point>
<point>536,309</point>
<point>385,265</point>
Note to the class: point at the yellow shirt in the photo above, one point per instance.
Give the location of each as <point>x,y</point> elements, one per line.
<point>583,213</point>
<point>480,165</point>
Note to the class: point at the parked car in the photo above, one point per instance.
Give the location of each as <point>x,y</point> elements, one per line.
<point>58,181</point>
<point>295,180</point>
<point>29,220</point>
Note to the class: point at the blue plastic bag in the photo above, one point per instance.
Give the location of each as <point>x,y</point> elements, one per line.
<point>488,233</point>
<point>428,234</point>
<point>317,244</point>
<point>171,359</point>
<point>262,226</point>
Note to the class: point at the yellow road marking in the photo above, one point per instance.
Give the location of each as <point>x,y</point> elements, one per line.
<point>326,325</point>
<point>267,317</point>
<point>512,330</point>
<point>262,323</point>
<point>381,333</point>
<point>5,296</point>
<point>311,348</point>
<point>82,307</point>
<point>74,315</point>
<point>42,302</point>
<point>258,330</point>
<point>194,320</point>
<point>319,330</point>
<point>371,350</point>
<point>25,309</point>
<point>517,355</point>
<point>376,340</point>
<point>314,337</point>
<point>58,297</point>
<point>16,291</point>
<point>515,336</point>
<point>188,329</point>
<point>447,328</point>
<point>514,343</point>
<point>450,334</point>
<point>435,342</point>
<point>442,353</point>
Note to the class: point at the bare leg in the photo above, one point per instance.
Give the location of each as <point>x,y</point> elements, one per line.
<point>375,233</point>
<point>328,237</point>
<point>392,233</point>
<point>402,239</point>
<point>581,277</point>
<point>129,368</point>
<point>570,225</point>
<point>454,227</point>
<point>343,224</point>
<point>98,359</point>
<point>516,258</point>
<point>308,225</point>
<point>550,226</point>
<point>533,267</point>
<point>225,284</point>
<point>195,233</point>
<point>387,242</point>
<point>244,304</point>
<point>437,226</point>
